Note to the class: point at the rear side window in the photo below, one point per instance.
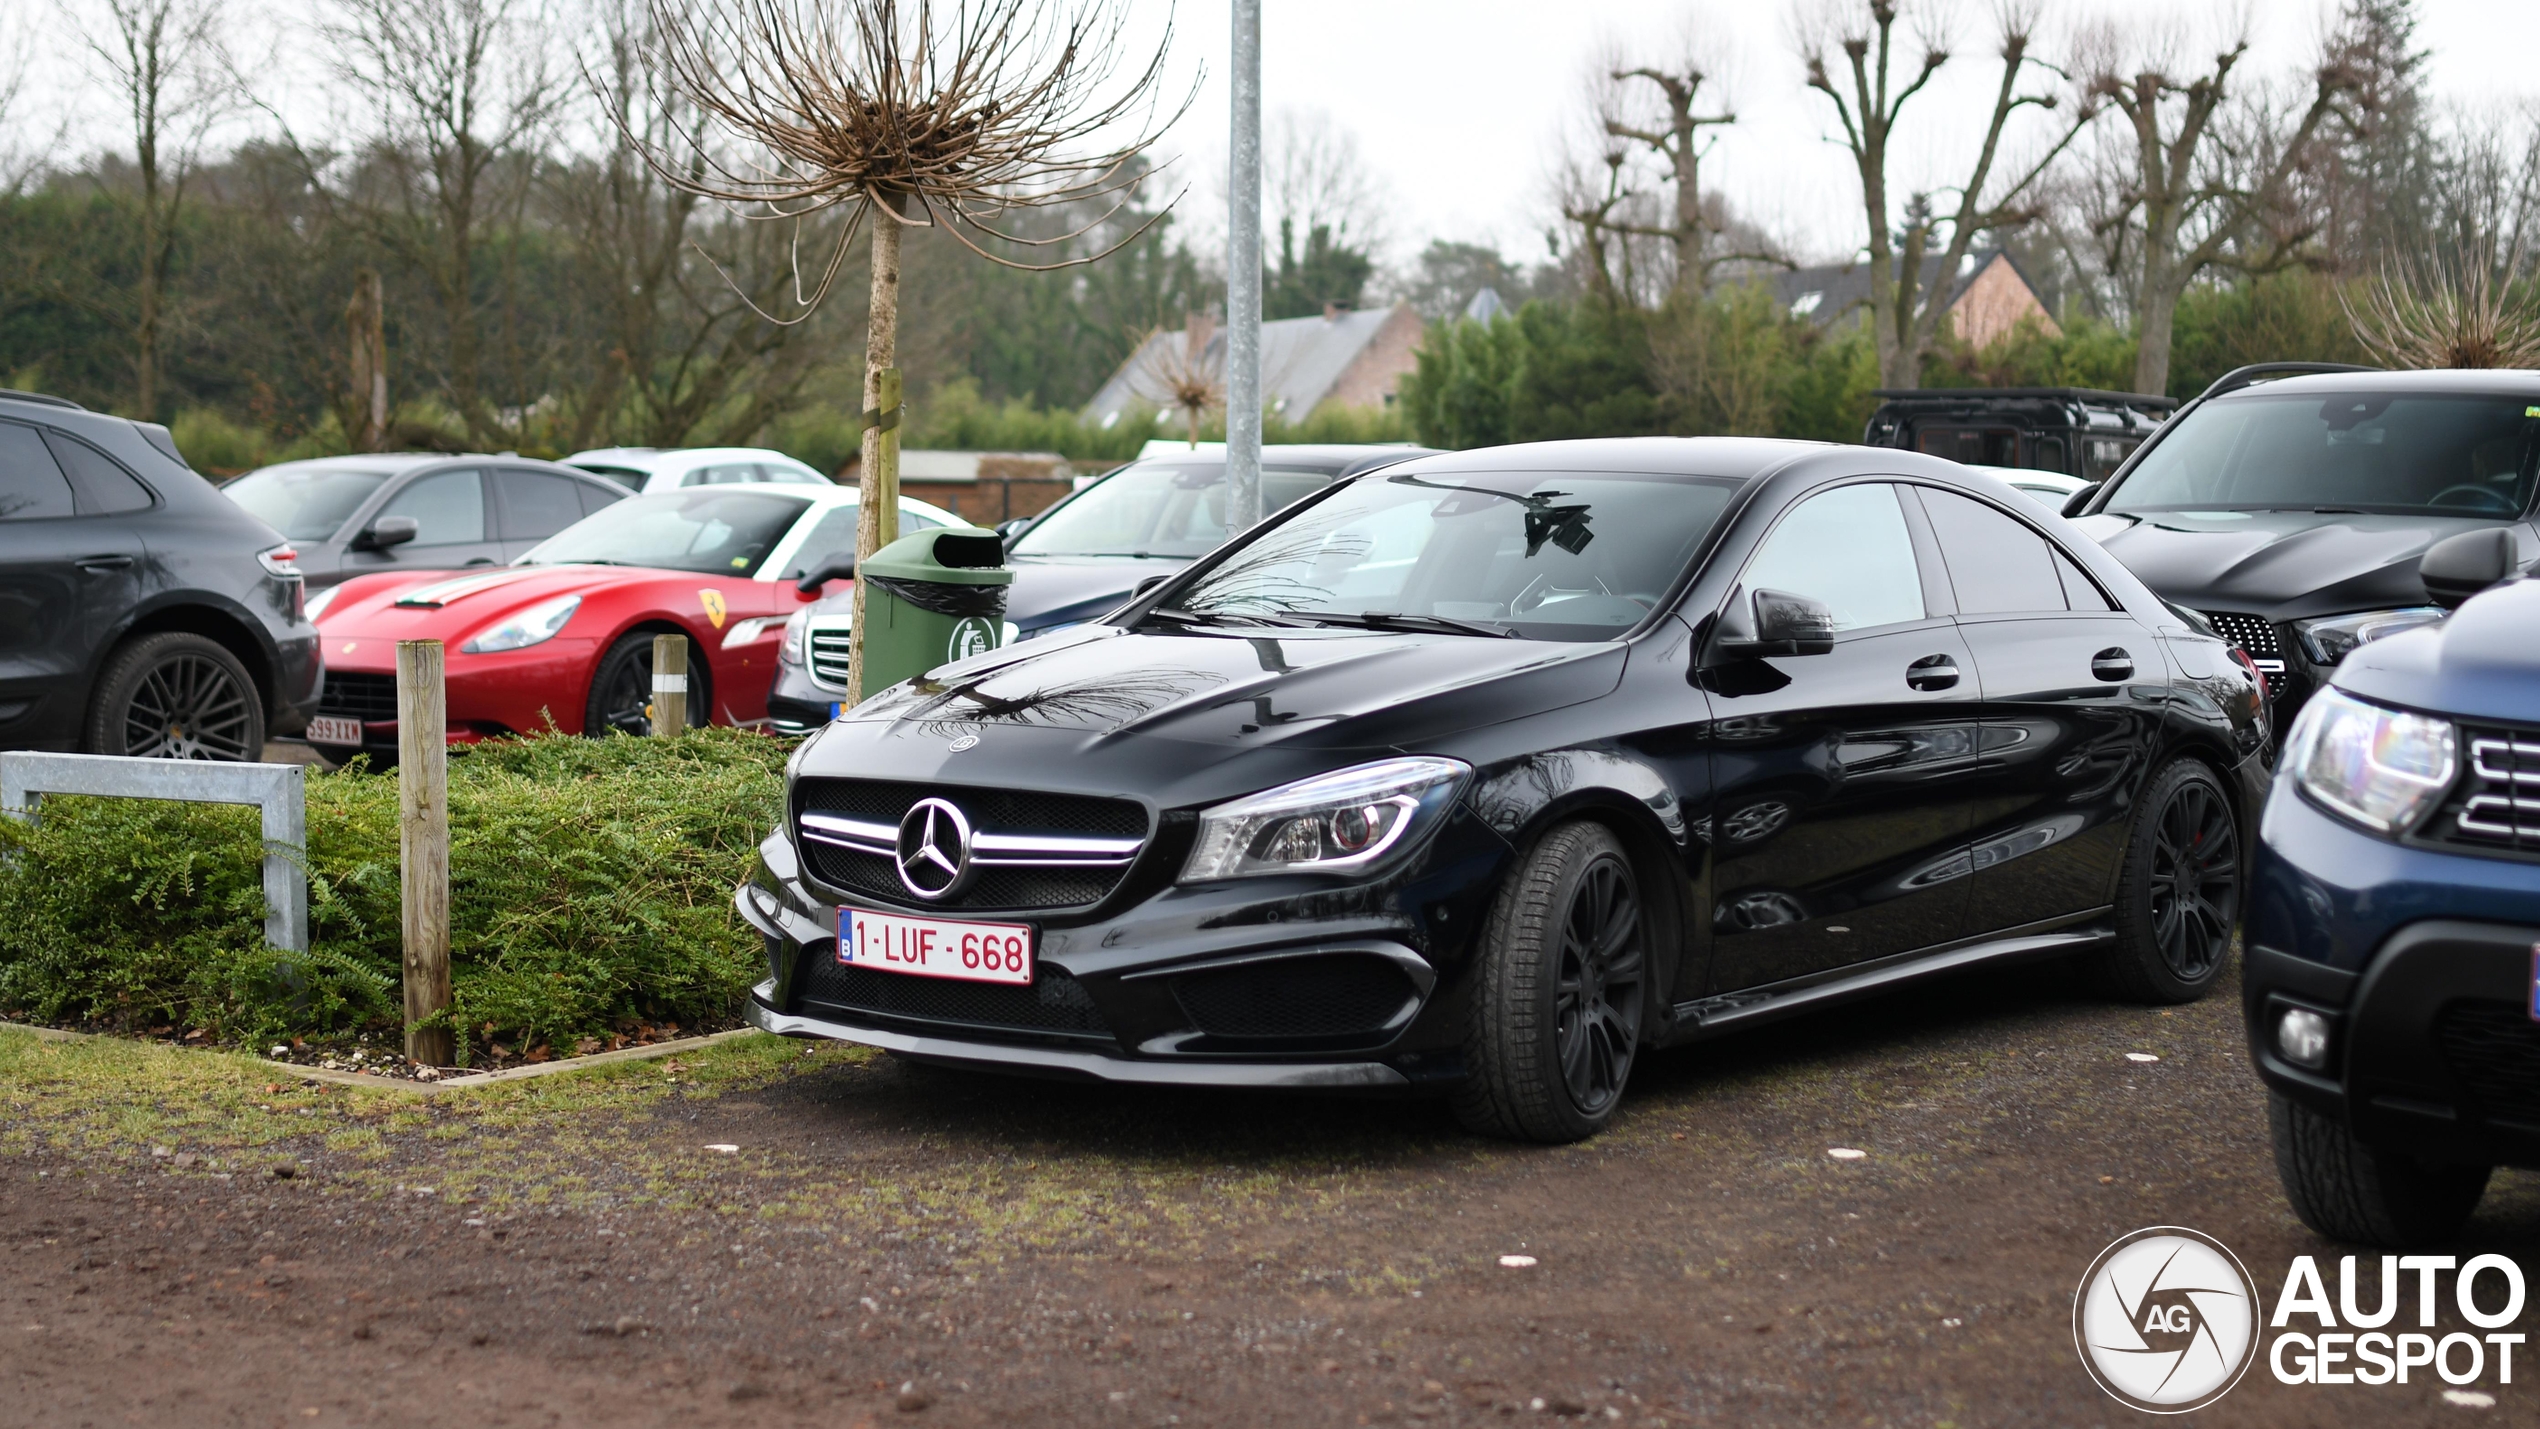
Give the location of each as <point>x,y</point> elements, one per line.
<point>109,488</point>
<point>594,496</point>
<point>537,504</point>
<point>448,507</point>
<point>32,487</point>
<point>1849,549</point>
<point>727,474</point>
<point>2080,591</point>
<point>1996,565</point>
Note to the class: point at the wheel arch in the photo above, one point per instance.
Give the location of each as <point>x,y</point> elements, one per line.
<point>232,632</point>
<point>1659,861</point>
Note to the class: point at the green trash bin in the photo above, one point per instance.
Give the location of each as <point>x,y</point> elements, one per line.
<point>929,599</point>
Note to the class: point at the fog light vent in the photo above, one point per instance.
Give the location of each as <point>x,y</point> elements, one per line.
<point>2302,1036</point>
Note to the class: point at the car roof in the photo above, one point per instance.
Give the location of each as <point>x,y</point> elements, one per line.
<point>820,496</point>
<point>393,463</point>
<point>1739,457</point>
<point>2456,381</point>
<point>651,459</point>
<point>2026,476</point>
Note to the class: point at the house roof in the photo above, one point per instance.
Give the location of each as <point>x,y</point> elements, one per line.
<point>1824,294</point>
<point>1301,359</point>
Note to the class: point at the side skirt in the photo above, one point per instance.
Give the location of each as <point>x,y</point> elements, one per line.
<point>1727,1012</point>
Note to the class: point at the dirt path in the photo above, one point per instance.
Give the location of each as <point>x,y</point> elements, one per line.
<point>1029,1253</point>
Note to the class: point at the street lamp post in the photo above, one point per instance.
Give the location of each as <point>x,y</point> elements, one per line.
<point>1243,277</point>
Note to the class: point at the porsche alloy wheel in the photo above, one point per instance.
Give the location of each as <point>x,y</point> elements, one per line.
<point>177,696</point>
<point>622,691</point>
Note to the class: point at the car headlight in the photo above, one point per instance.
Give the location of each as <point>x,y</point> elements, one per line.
<point>2333,638</point>
<point>1347,821</point>
<point>791,651</point>
<point>319,602</point>
<point>534,626</point>
<point>2382,768</point>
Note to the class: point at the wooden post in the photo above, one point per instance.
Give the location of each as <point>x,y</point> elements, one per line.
<point>423,829</point>
<point>670,685</point>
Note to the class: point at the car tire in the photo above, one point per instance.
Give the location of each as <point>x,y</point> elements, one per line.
<point>622,689</point>
<point>175,695</point>
<point>2178,895</point>
<point>1559,989</point>
<point>2348,1191</point>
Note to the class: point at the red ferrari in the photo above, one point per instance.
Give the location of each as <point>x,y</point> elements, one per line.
<point>563,637</point>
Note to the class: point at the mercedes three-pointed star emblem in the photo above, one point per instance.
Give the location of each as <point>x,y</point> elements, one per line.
<point>934,849</point>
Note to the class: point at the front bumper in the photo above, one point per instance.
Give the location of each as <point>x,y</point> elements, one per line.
<point>2422,962</point>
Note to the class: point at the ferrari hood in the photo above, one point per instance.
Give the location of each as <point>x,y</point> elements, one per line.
<point>2282,565</point>
<point>436,604</point>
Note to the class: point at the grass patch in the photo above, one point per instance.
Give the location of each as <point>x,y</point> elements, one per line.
<point>590,890</point>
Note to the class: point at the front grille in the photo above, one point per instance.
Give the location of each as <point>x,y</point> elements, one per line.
<point>1338,995</point>
<point>829,656</point>
<point>2496,806</point>
<point>1056,1004</point>
<point>864,865</point>
<point>358,696</point>
<point>2252,633</point>
<point>2493,1049</point>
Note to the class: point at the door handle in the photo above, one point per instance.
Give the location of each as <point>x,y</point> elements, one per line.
<point>482,561</point>
<point>99,565</point>
<point>2112,665</point>
<point>1932,672</point>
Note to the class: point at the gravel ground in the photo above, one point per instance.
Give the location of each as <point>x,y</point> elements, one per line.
<point>893,1244</point>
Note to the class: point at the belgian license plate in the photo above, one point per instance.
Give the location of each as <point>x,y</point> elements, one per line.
<point>335,729</point>
<point>936,947</point>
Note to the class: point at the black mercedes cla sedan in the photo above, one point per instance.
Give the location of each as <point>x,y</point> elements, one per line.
<point>1486,772</point>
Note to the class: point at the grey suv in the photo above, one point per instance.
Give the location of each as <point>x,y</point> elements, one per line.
<point>354,515</point>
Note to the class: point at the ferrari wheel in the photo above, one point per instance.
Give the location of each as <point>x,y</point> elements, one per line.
<point>622,691</point>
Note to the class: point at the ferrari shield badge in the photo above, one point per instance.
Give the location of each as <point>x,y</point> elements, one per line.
<point>713,602</point>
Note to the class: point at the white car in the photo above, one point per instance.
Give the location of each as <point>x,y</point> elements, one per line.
<point>668,468</point>
<point>2050,489</point>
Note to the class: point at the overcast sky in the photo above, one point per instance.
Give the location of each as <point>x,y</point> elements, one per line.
<point>1459,105</point>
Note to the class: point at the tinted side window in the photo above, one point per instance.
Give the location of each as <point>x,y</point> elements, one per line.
<point>834,536</point>
<point>448,507</point>
<point>538,504</point>
<point>594,495</point>
<point>32,486</point>
<point>1996,565</point>
<point>1850,549</point>
<point>108,487</point>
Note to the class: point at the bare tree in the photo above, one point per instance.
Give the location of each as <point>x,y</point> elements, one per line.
<point>1314,176</point>
<point>906,115</point>
<point>1869,98</point>
<point>2189,199</point>
<point>1180,373</point>
<point>1675,136</point>
<point>19,159</point>
<point>163,60</point>
<point>2469,307</point>
<point>459,93</point>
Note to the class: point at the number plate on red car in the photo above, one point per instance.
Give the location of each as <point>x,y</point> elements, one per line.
<point>335,729</point>
<point>936,947</point>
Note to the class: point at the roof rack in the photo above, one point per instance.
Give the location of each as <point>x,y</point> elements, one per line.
<point>2257,372</point>
<point>2083,394</point>
<point>47,398</point>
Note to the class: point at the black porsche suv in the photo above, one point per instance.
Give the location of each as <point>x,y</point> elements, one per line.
<point>1484,772</point>
<point>140,611</point>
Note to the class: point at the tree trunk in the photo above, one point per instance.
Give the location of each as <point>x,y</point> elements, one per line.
<point>2156,311</point>
<point>145,333</point>
<point>874,526</point>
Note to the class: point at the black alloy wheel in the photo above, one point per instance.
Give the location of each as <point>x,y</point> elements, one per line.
<point>1561,987</point>
<point>2178,900</point>
<point>622,692</point>
<point>177,696</point>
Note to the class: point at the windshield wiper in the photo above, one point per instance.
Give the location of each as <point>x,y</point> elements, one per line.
<point>1393,620</point>
<point>1178,616</point>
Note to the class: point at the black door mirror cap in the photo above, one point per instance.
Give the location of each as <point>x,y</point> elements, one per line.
<point>2074,504</point>
<point>387,531</point>
<point>2458,567</point>
<point>1147,585</point>
<point>1774,622</point>
<point>835,569</point>
<point>1011,529</point>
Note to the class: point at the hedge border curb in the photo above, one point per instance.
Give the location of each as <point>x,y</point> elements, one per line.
<point>411,1087</point>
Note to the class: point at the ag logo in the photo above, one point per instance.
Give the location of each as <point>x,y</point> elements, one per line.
<point>712,600</point>
<point>971,635</point>
<point>2167,1320</point>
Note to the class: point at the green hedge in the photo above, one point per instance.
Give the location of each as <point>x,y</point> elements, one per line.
<point>591,889</point>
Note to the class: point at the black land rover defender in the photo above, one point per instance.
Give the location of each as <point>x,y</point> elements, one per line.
<point>2074,430</point>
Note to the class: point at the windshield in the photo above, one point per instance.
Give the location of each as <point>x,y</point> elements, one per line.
<point>1161,508</point>
<point>711,532</point>
<point>2366,452</point>
<point>1543,555</point>
<point>304,502</point>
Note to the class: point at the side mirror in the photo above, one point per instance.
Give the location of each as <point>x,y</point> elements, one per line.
<point>1140,590</point>
<point>1773,622</point>
<point>2079,499</point>
<point>1011,529</point>
<point>836,568</point>
<point>2458,567</point>
<point>387,531</point>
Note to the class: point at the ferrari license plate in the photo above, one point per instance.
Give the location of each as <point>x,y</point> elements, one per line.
<point>936,947</point>
<point>335,729</point>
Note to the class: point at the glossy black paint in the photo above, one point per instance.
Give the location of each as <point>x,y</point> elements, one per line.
<point>149,546</point>
<point>1793,821</point>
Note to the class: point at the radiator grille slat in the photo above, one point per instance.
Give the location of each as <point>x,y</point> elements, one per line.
<point>2493,1048</point>
<point>350,694</point>
<point>991,887</point>
<point>2496,805</point>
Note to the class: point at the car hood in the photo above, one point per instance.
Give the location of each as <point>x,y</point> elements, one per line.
<point>431,605</point>
<point>2283,565</point>
<point>2481,663</point>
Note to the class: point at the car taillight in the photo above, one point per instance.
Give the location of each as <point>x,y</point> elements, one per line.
<point>280,561</point>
